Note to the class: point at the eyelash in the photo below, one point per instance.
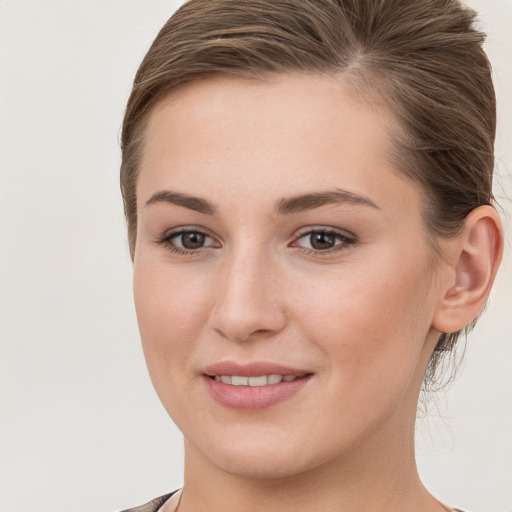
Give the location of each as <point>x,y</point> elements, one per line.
<point>347,241</point>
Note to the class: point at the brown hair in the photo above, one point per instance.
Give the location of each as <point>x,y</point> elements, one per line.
<point>422,58</point>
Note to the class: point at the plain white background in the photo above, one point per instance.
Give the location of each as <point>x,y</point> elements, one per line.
<point>81,427</point>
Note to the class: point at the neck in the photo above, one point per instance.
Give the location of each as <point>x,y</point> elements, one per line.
<point>368,479</point>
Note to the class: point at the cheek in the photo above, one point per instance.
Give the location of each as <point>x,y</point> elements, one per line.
<point>171,310</point>
<point>372,333</point>
<point>376,316</point>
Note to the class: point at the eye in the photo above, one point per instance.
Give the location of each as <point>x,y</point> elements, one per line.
<point>322,240</point>
<point>190,240</point>
<point>186,241</point>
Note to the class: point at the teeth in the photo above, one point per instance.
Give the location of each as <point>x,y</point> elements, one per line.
<point>258,381</point>
<point>274,379</point>
<point>239,381</point>
<point>261,380</point>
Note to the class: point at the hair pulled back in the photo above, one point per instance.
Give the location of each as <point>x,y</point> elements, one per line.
<point>422,58</point>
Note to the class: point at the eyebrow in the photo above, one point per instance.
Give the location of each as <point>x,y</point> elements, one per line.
<point>316,199</point>
<point>284,206</point>
<point>178,198</point>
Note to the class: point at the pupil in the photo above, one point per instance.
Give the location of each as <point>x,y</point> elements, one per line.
<point>192,240</point>
<point>322,240</point>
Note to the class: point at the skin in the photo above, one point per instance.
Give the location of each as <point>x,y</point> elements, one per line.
<point>363,318</point>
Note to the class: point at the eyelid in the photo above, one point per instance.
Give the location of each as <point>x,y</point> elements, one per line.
<point>325,229</point>
<point>169,233</point>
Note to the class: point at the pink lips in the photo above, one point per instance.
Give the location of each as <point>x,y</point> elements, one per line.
<point>252,398</point>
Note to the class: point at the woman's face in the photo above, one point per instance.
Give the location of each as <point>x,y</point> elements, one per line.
<point>276,240</point>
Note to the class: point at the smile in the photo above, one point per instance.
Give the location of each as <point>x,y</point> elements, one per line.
<point>256,381</point>
<point>255,392</point>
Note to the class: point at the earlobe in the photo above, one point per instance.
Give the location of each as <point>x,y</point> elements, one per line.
<point>477,255</point>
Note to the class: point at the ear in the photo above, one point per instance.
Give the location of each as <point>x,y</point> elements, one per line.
<point>473,258</point>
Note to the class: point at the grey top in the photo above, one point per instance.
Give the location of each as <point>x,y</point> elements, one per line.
<point>152,506</point>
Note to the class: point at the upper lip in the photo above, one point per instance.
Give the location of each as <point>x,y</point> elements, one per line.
<point>251,369</point>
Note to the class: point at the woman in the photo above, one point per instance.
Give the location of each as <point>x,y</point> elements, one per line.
<point>308,194</point>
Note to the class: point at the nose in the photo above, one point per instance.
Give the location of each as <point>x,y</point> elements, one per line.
<point>249,303</point>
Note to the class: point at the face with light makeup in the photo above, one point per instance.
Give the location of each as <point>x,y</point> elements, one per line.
<point>273,229</point>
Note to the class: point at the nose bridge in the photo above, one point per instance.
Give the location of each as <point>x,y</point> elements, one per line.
<point>248,301</point>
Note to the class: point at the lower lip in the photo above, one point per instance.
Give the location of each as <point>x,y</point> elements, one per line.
<point>249,398</point>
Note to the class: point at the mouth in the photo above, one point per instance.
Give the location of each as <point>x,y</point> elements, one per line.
<point>256,381</point>
<point>253,386</point>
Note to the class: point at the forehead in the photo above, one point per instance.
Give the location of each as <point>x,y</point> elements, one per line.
<point>272,103</point>
<point>291,134</point>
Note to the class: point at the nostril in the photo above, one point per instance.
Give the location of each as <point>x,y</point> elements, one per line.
<point>260,331</point>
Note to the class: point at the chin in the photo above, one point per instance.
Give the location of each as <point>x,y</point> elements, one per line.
<point>263,460</point>
<point>262,467</point>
